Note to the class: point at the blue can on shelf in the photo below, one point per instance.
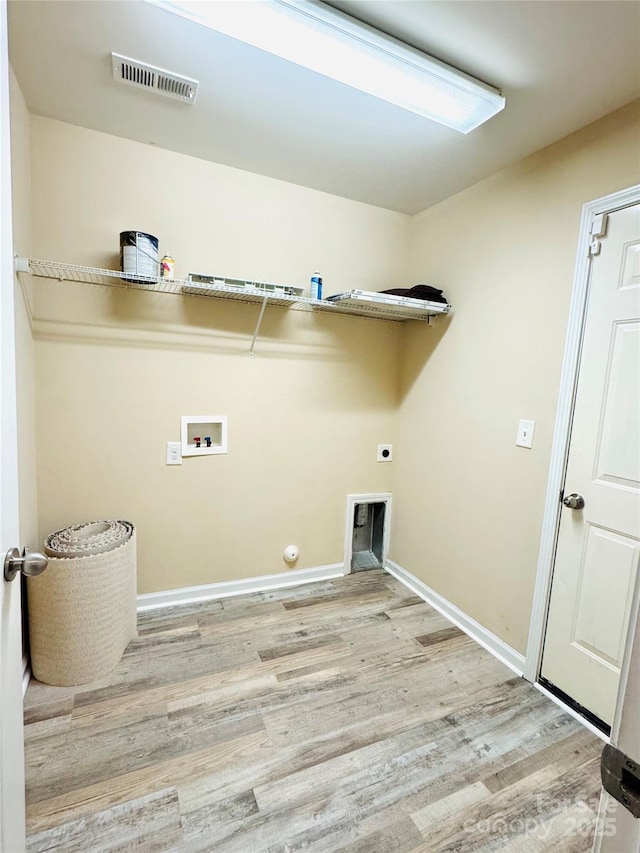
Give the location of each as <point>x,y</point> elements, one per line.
<point>316,286</point>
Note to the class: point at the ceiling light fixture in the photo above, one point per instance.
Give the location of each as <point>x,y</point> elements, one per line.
<point>324,40</point>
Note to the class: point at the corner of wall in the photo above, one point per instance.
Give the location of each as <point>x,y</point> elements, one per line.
<point>504,253</point>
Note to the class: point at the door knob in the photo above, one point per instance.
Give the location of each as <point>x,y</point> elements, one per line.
<point>574,501</point>
<point>30,563</point>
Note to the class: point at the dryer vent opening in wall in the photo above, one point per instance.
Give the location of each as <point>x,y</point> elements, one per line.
<point>366,541</point>
<point>368,537</point>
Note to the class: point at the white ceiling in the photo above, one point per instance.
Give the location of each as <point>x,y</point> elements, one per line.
<point>561,65</point>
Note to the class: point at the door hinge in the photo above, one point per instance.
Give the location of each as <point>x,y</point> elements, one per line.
<point>621,778</point>
<point>597,230</point>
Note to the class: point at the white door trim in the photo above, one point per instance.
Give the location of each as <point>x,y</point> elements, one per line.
<point>12,797</point>
<point>562,431</point>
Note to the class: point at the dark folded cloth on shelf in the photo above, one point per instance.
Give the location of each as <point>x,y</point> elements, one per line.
<point>420,291</point>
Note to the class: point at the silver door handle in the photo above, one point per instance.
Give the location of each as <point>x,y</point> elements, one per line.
<point>30,563</point>
<point>574,501</point>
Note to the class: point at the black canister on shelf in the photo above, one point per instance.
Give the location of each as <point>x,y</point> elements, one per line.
<point>139,255</point>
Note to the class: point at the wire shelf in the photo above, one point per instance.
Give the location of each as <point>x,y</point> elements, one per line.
<point>247,291</point>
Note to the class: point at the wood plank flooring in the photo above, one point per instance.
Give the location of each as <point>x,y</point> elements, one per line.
<point>338,716</point>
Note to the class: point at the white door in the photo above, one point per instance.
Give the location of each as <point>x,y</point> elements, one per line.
<point>598,547</point>
<point>12,835</point>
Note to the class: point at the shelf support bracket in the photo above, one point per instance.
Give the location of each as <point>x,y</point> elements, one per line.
<point>260,316</point>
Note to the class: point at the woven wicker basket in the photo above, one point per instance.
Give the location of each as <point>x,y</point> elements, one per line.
<point>82,609</point>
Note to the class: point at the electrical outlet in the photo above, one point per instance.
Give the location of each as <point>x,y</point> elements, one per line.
<point>385,453</point>
<point>174,453</point>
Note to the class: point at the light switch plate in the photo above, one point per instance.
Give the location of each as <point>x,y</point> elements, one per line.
<point>525,433</point>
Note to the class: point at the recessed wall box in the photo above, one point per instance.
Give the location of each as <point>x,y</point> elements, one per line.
<point>203,435</point>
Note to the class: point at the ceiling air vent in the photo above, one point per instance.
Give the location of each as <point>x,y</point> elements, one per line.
<point>143,76</point>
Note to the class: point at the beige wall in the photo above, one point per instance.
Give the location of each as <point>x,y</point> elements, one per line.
<point>468,503</point>
<point>25,366</point>
<point>117,369</point>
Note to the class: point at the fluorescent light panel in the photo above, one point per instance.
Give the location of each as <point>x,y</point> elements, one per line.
<point>335,45</point>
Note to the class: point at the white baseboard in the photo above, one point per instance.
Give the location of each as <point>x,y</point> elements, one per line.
<point>498,648</point>
<point>207,592</point>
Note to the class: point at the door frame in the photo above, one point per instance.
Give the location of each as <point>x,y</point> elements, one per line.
<point>12,794</point>
<point>562,431</point>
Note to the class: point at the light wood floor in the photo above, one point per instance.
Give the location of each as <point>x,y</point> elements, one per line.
<point>345,715</point>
